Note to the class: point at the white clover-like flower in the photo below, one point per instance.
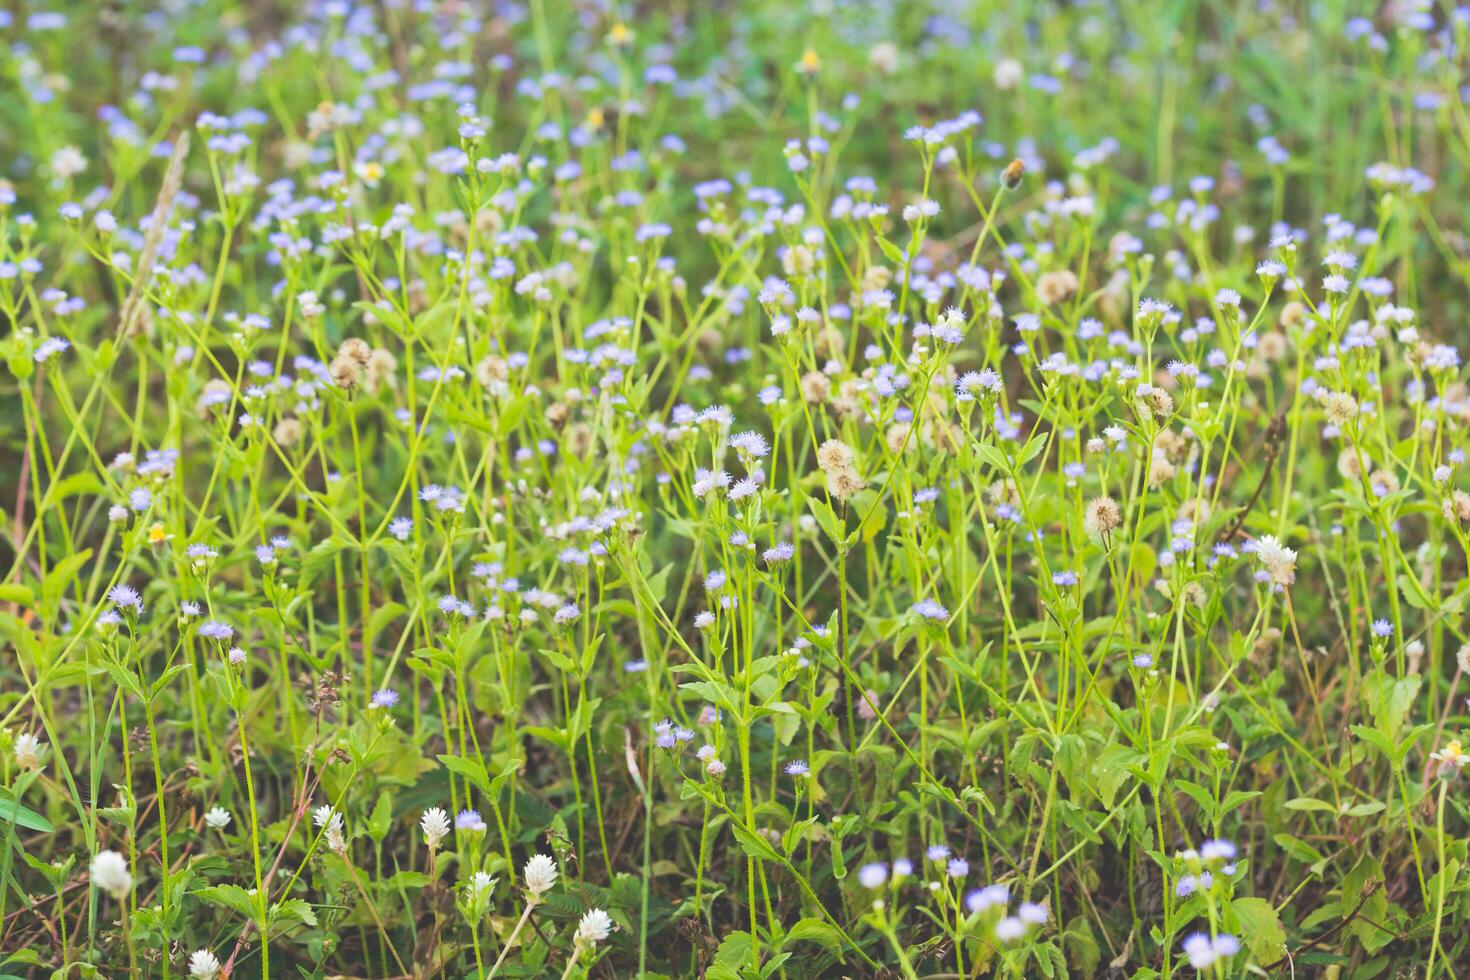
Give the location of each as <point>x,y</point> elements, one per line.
<point>336,838</point>
<point>218,818</point>
<point>30,751</point>
<point>1278,560</point>
<point>595,926</point>
<point>110,873</point>
<point>435,824</point>
<point>203,965</point>
<point>479,886</point>
<point>540,873</point>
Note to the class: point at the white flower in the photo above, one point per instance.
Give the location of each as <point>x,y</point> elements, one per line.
<point>1279,560</point>
<point>1452,755</point>
<point>203,964</point>
<point>325,816</point>
<point>30,751</point>
<point>110,873</point>
<point>1008,74</point>
<point>540,873</point>
<point>336,840</point>
<point>593,929</point>
<point>218,818</point>
<point>480,884</point>
<point>67,162</point>
<point>435,823</point>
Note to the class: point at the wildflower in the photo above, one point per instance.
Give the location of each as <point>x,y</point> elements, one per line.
<point>126,597</point>
<point>213,629</point>
<point>109,871</point>
<point>981,900</point>
<point>1452,756</point>
<point>218,818</point>
<point>385,698</point>
<point>1278,560</point>
<point>30,751</point>
<point>469,821</point>
<point>479,886</point>
<point>203,965</point>
<point>778,553</point>
<point>798,768</point>
<point>873,875</point>
<point>931,610</point>
<point>1204,952</point>
<point>595,927</point>
<point>435,824</point>
<point>540,874</point>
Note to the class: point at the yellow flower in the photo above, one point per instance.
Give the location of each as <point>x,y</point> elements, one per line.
<point>596,118</point>
<point>809,64</point>
<point>370,172</point>
<point>158,535</point>
<point>1452,755</point>
<point>619,35</point>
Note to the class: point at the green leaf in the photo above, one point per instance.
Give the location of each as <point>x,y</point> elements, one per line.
<point>471,769</point>
<point>813,930</point>
<point>12,811</point>
<point>1260,928</point>
<point>232,897</point>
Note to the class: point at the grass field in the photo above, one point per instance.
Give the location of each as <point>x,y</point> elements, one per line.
<point>847,489</point>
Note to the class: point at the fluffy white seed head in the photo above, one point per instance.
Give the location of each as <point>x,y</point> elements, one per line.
<point>110,873</point>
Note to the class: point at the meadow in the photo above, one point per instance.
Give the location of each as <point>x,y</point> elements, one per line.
<point>575,488</point>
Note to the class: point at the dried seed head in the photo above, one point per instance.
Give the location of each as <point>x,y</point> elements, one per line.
<point>815,387</point>
<point>1341,408</point>
<point>288,431</point>
<point>355,350</point>
<point>1056,286</point>
<point>1457,507</point>
<point>345,373</point>
<point>844,484</point>
<point>1103,516</point>
<point>834,454</point>
<point>382,369</point>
